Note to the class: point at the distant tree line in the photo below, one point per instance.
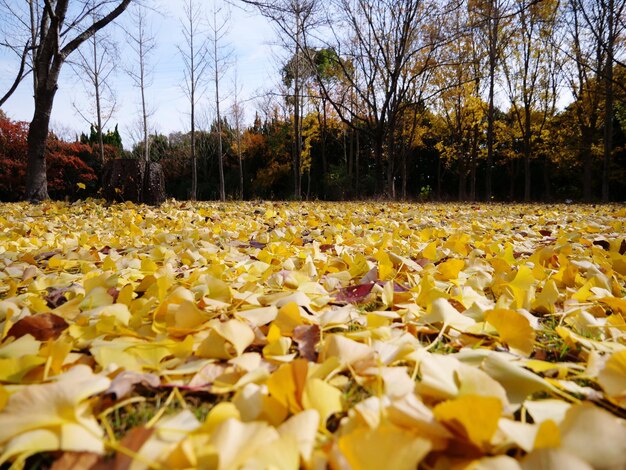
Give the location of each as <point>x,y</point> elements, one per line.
<point>420,99</point>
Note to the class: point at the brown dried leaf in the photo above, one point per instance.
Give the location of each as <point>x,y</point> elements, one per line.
<point>133,441</point>
<point>42,327</point>
<point>355,294</point>
<point>307,337</point>
<point>56,297</point>
<point>79,460</point>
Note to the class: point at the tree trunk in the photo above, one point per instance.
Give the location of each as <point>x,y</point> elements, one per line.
<point>490,132</point>
<point>239,155</point>
<point>192,102</point>
<point>608,103</point>
<point>587,159</point>
<point>494,24</point>
<point>357,150</point>
<point>194,158</point>
<point>378,155</point>
<point>127,179</point>
<point>96,83</point>
<point>36,179</point>
<point>527,153</point>
<point>474,163</point>
<point>405,150</point>
<point>324,159</point>
<point>391,189</point>
<point>438,178</point>
<point>297,120</point>
<point>220,152</point>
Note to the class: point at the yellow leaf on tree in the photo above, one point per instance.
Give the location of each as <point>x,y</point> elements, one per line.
<point>514,329</point>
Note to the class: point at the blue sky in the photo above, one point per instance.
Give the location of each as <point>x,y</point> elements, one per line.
<point>250,38</point>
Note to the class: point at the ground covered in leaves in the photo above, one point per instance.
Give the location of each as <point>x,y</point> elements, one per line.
<point>287,335</point>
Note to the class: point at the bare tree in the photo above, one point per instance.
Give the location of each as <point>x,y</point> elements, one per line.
<point>583,75</point>
<point>530,74</point>
<point>220,55</point>
<point>490,21</point>
<point>293,19</point>
<point>62,26</point>
<point>237,113</point>
<point>95,64</point>
<point>385,48</point>
<point>596,31</point>
<point>19,33</point>
<point>194,54</point>
<point>142,43</point>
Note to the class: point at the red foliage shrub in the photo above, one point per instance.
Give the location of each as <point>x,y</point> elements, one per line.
<point>13,149</point>
<point>66,169</point>
<point>66,165</point>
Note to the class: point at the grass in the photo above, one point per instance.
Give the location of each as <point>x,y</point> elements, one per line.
<point>141,410</point>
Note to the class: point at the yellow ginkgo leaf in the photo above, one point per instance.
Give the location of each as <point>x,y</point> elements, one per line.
<point>450,269</point>
<point>430,251</point>
<point>473,418</point>
<point>218,414</point>
<point>323,397</point>
<point>225,340</point>
<point>520,287</point>
<point>61,407</point>
<point>384,447</point>
<point>303,426</point>
<point>514,329</point>
<point>594,435</point>
<point>237,443</point>
<point>547,298</point>
<point>548,435</point>
<point>441,311</point>
<point>287,383</point>
<point>612,377</point>
<point>288,318</point>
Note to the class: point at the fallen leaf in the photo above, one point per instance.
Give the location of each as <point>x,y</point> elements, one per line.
<point>124,382</point>
<point>385,447</point>
<point>307,337</point>
<point>471,417</point>
<point>42,327</point>
<point>514,329</point>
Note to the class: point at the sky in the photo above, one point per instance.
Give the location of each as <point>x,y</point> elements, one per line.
<point>253,57</point>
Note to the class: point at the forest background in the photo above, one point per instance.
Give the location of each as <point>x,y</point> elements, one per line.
<point>422,99</point>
